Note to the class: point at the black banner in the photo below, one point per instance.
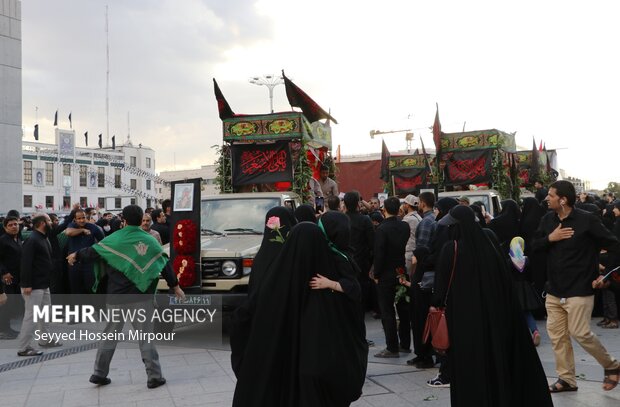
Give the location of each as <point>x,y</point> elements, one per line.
<point>468,167</point>
<point>261,163</point>
<point>410,181</point>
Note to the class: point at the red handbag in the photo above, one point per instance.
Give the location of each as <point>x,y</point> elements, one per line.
<point>436,325</point>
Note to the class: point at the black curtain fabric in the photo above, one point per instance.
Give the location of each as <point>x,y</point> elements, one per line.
<point>493,359</point>
<point>468,167</point>
<point>306,347</point>
<point>261,163</point>
<point>406,182</point>
<point>241,322</point>
<point>305,213</point>
<point>506,224</point>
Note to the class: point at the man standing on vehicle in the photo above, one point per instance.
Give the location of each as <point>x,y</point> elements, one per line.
<point>328,185</point>
<point>572,239</point>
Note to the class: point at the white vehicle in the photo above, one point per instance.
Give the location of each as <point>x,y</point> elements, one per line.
<point>489,197</point>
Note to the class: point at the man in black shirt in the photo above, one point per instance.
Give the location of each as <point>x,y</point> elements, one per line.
<point>572,239</point>
<point>541,191</point>
<point>10,257</point>
<point>36,266</point>
<point>160,225</point>
<point>390,240</point>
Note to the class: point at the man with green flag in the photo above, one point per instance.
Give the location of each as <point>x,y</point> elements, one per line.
<point>132,260</point>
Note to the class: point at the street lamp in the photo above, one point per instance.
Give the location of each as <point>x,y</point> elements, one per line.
<point>271,81</point>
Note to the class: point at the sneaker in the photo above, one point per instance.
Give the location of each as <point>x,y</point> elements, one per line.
<point>387,354</point>
<point>536,338</point>
<point>154,383</point>
<point>98,380</point>
<point>29,352</point>
<point>438,381</point>
<point>421,363</point>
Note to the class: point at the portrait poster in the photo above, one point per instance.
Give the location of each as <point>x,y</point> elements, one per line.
<point>38,177</point>
<point>92,179</point>
<point>183,198</point>
<point>66,143</point>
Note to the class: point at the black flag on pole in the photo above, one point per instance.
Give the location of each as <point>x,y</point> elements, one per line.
<point>70,122</point>
<point>113,142</point>
<point>100,142</point>
<point>56,118</point>
<point>86,138</point>
<point>36,132</point>
<point>223,107</point>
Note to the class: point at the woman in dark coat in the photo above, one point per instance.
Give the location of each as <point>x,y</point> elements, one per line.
<point>307,346</point>
<point>241,322</point>
<point>506,224</point>
<point>493,360</point>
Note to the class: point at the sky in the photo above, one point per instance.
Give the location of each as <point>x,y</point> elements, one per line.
<point>545,70</point>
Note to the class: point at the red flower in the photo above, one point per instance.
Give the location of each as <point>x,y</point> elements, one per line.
<point>185,270</point>
<point>184,237</point>
<point>400,271</point>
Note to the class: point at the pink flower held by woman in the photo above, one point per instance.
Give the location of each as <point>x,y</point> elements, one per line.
<point>273,223</point>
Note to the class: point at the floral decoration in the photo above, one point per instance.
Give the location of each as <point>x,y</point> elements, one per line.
<point>185,270</point>
<point>184,237</point>
<point>273,223</point>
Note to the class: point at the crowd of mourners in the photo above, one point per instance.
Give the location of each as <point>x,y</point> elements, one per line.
<point>300,338</point>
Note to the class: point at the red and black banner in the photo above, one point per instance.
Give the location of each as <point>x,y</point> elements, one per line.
<point>410,181</point>
<point>261,163</point>
<point>468,167</point>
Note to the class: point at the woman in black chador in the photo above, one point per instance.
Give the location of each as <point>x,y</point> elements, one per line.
<point>306,347</point>
<point>492,357</point>
<point>268,252</point>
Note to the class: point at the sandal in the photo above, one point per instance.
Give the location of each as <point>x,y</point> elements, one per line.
<point>560,385</point>
<point>29,352</point>
<point>602,322</point>
<point>608,383</point>
<point>611,325</point>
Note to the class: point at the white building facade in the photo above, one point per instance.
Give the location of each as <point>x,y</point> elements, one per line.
<point>10,104</point>
<point>56,176</point>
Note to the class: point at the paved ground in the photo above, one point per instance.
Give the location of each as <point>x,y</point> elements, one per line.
<point>204,377</point>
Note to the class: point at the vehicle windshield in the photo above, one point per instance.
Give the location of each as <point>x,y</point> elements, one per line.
<point>240,215</point>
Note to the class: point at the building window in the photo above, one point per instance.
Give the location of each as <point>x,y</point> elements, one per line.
<point>83,202</point>
<point>66,170</point>
<point>28,177</point>
<point>28,200</point>
<point>148,184</point>
<point>148,162</point>
<point>49,201</point>
<point>101,177</point>
<point>132,161</point>
<point>117,177</point>
<point>133,183</point>
<point>148,203</point>
<point>117,203</point>
<point>49,175</point>
<point>83,171</point>
<point>101,203</point>
<point>66,202</point>
<point>133,201</point>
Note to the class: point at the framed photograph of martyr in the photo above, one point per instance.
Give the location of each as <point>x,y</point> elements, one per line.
<point>39,177</point>
<point>183,198</point>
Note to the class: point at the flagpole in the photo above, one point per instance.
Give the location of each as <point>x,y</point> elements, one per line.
<point>107,78</point>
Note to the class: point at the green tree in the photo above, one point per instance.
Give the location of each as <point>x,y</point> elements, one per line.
<point>614,188</point>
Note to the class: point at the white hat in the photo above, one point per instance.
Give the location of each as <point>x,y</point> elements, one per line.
<point>412,200</point>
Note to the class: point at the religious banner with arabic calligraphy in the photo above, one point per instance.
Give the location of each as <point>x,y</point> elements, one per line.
<point>261,163</point>
<point>407,182</point>
<point>468,167</point>
<point>477,140</point>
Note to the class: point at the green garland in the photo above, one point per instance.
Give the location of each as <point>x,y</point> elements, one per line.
<point>223,168</point>
<point>302,173</point>
<point>507,187</point>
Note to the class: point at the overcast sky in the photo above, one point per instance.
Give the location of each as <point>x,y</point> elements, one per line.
<point>545,69</point>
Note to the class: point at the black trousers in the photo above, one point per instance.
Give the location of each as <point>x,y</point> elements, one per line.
<point>386,292</point>
<point>13,308</point>
<point>421,301</point>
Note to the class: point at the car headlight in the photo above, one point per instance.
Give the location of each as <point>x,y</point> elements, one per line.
<point>229,268</point>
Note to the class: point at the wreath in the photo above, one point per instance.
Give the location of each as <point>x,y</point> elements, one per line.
<point>185,270</point>
<point>184,237</point>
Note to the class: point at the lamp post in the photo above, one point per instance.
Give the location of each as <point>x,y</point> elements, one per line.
<point>271,81</point>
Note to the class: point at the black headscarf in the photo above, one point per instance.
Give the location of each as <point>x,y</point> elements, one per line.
<point>506,224</point>
<point>531,214</point>
<point>241,321</point>
<point>305,213</point>
<point>306,347</point>
<point>493,359</point>
<point>444,205</point>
